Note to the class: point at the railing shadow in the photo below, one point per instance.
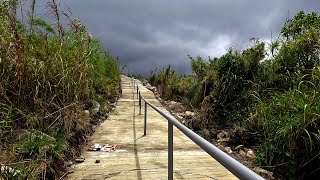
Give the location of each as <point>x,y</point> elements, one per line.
<point>135,148</point>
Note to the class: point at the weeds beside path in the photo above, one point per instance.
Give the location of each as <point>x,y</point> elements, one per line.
<point>49,76</point>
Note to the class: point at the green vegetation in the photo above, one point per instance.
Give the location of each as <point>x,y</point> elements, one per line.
<point>267,95</point>
<point>47,73</point>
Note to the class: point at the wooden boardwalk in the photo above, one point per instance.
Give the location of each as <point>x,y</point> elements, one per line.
<point>143,157</point>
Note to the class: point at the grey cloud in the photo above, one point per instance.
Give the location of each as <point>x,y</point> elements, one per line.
<point>148,34</point>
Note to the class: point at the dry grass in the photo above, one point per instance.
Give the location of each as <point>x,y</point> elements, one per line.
<point>47,73</point>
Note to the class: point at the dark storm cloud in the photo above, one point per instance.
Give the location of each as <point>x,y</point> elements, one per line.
<point>146,34</point>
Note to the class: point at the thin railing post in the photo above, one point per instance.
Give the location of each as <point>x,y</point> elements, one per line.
<point>145,118</point>
<point>170,151</point>
<point>137,92</point>
<point>139,102</point>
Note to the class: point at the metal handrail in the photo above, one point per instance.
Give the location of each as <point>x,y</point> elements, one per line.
<point>235,167</point>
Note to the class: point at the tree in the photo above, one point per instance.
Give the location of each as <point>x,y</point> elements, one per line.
<point>300,24</point>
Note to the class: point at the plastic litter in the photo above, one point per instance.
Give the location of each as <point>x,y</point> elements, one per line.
<point>102,147</point>
<point>96,147</point>
<point>108,148</point>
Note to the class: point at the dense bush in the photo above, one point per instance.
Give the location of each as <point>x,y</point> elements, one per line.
<point>47,72</point>
<point>270,91</point>
<point>287,129</point>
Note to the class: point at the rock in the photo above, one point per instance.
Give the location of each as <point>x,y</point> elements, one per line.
<point>86,113</point>
<point>148,86</point>
<point>144,82</point>
<point>242,153</point>
<point>182,114</point>
<point>251,154</point>
<point>171,105</point>
<point>175,106</point>
<point>152,88</point>
<point>156,94</point>
<point>79,160</point>
<point>97,161</point>
<point>228,149</point>
<point>189,114</point>
<point>113,104</point>
<point>264,172</point>
<point>93,107</point>
<point>69,163</point>
<point>223,136</point>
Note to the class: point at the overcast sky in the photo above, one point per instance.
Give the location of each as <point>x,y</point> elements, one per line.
<point>146,34</point>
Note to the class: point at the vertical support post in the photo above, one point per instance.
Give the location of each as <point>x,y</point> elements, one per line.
<point>170,151</point>
<point>137,92</point>
<point>145,118</point>
<point>139,103</point>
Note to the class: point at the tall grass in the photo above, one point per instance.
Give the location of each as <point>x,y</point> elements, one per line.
<point>287,128</point>
<point>47,72</point>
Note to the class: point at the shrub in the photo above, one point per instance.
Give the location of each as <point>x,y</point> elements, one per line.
<point>287,127</point>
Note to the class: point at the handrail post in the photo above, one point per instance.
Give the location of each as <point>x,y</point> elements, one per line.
<point>145,118</point>
<point>170,151</point>
<point>139,103</point>
<point>137,92</point>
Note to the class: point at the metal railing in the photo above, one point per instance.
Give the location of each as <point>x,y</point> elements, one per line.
<point>235,167</point>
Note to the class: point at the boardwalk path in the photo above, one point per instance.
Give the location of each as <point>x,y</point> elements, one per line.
<point>143,157</point>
